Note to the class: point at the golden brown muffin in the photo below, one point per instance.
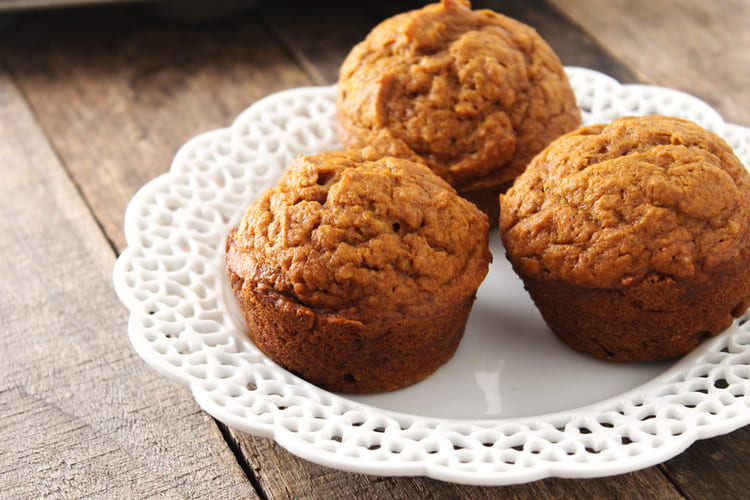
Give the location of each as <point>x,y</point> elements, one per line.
<point>358,272</point>
<point>473,94</point>
<point>633,238</point>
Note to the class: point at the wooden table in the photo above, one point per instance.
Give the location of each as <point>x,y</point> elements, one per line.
<point>95,102</point>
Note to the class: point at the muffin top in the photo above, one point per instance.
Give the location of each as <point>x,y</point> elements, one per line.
<point>608,205</point>
<point>473,94</point>
<point>350,232</point>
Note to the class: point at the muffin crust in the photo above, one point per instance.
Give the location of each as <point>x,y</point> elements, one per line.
<point>646,223</point>
<point>358,273</point>
<point>473,94</point>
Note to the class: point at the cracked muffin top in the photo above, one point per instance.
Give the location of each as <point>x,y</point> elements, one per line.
<point>351,232</point>
<point>608,205</point>
<point>473,94</point>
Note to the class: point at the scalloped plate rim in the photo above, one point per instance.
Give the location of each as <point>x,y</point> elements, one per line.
<point>310,452</point>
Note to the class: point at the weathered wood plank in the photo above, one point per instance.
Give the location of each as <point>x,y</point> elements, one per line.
<point>82,414</point>
<point>574,46</point>
<point>283,475</point>
<point>320,36</point>
<point>118,91</point>
<point>307,31</point>
<point>118,94</point>
<point>703,54</point>
<point>714,468</point>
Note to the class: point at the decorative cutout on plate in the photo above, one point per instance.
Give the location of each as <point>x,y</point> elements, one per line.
<point>184,323</point>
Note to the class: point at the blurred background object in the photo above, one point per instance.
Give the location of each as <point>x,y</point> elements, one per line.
<point>177,10</point>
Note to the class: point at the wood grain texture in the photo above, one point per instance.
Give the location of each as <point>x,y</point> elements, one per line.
<point>714,468</point>
<point>283,475</point>
<point>698,47</point>
<point>306,30</point>
<point>574,46</point>
<point>82,414</point>
<point>118,92</point>
<point>320,36</point>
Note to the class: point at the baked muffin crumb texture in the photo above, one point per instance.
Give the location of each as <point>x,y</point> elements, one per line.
<point>358,272</point>
<point>633,238</point>
<point>609,204</point>
<point>473,94</point>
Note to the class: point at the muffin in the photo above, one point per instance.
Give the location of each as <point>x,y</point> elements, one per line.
<point>472,94</point>
<point>358,272</point>
<point>632,237</point>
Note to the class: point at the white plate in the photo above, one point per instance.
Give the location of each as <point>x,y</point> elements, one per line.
<point>513,405</point>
